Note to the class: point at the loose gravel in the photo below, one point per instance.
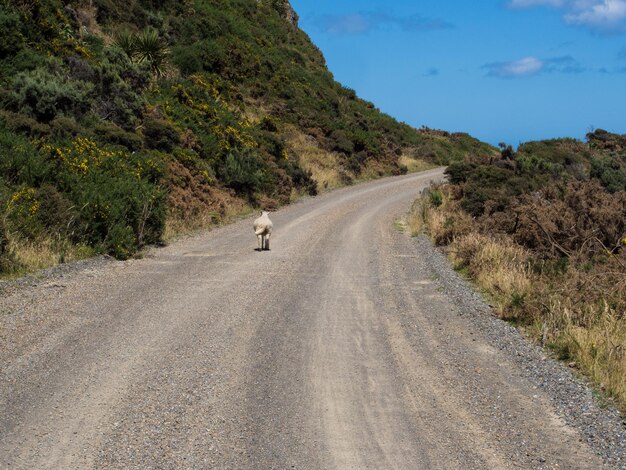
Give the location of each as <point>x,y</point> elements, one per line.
<point>603,427</point>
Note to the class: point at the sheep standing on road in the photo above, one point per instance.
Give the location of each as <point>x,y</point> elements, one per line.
<point>263,229</point>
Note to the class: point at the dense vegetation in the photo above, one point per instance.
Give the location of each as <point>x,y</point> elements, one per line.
<point>543,231</point>
<point>120,120</point>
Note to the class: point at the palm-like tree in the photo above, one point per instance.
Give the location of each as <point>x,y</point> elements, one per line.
<point>145,47</point>
<point>152,49</point>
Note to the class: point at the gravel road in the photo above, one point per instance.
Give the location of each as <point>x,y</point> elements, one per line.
<point>350,345</point>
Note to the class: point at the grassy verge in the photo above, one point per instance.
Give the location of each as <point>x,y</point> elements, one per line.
<point>415,165</point>
<point>575,309</point>
<point>26,256</point>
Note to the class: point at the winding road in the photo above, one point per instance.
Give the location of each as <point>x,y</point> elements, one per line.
<point>335,350</point>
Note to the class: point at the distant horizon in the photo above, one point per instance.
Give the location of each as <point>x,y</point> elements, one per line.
<point>508,71</point>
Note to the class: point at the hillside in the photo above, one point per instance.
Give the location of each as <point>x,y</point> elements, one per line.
<point>124,122</point>
<point>542,230</point>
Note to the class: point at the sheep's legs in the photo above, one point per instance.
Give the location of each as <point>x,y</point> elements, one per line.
<point>264,242</point>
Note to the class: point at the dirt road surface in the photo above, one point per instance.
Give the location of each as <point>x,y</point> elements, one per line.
<point>337,349</point>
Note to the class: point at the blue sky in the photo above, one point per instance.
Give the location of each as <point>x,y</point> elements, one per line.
<point>502,70</point>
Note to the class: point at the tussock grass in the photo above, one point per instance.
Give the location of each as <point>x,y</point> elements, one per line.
<point>599,351</point>
<point>498,268</point>
<point>417,217</point>
<point>30,256</point>
<point>321,163</point>
<point>583,319</point>
<point>415,165</point>
<point>579,314</point>
<point>436,214</point>
<point>176,227</point>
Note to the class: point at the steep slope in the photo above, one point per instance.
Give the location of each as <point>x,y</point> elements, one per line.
<point>125,119</point>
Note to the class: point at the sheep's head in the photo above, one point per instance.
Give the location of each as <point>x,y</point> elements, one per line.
<point>264,213</point>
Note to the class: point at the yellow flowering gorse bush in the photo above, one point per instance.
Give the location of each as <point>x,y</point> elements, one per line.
<point>83,156</point>
<point>25,202</point>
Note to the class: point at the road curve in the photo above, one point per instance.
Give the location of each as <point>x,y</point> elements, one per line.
<point>334,350</point>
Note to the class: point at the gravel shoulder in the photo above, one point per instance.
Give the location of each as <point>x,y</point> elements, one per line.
<point>349,345</point>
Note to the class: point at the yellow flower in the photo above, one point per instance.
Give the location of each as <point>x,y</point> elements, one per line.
<point>34,208</point>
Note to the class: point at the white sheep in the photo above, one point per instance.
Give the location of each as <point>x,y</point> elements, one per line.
<point>263,229</point>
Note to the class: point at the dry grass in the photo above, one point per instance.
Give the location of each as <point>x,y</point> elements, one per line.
<point>444,223</point>
<point>415,165</point>
<point>373,169</point>
<point>321,163</point>
<point>580,315</point>
<point>416,220</point>
<point>31,256</point>
<point>176,227</point>
<point>599,350</point>
<point>498,268</point>
<point>584,321</point>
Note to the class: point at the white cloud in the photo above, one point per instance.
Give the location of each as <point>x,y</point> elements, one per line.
<point>525,67</point>
<point>606,16</point>
<point>603,16</point>
<point>530,66</point>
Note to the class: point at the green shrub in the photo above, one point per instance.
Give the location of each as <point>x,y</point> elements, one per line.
<point>113,205</point>
<point>188,59</point>
<point>44,95</point>
<point>301,179</point>
<point>118,89</point>
<point>120,241</point>
<point>21,163</point>
<point>64,127</point>
<point>610,171</point>
<point>459,172</point>
<point>243,172</point>
<point>436,198</point>
<point>24,124</point>
<point>160,135</point>
<point>23,60</point>
<point>340,142</point>
<point>110,188</point>
<point>11,39</point>
<point>127,41</point>
<point>109,133</point>
<point>56,213</point>
<point>152,49</point>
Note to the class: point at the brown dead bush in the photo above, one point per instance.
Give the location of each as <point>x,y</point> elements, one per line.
<point>555,262</point>
<point>581,222</point>
<point>194,204</point>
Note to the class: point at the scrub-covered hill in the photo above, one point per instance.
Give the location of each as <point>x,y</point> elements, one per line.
<point>542,230</point>
<point>123,120</point>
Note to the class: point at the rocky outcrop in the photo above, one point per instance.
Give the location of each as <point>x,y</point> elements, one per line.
<point>286,11</point>
<point>290,14</point>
